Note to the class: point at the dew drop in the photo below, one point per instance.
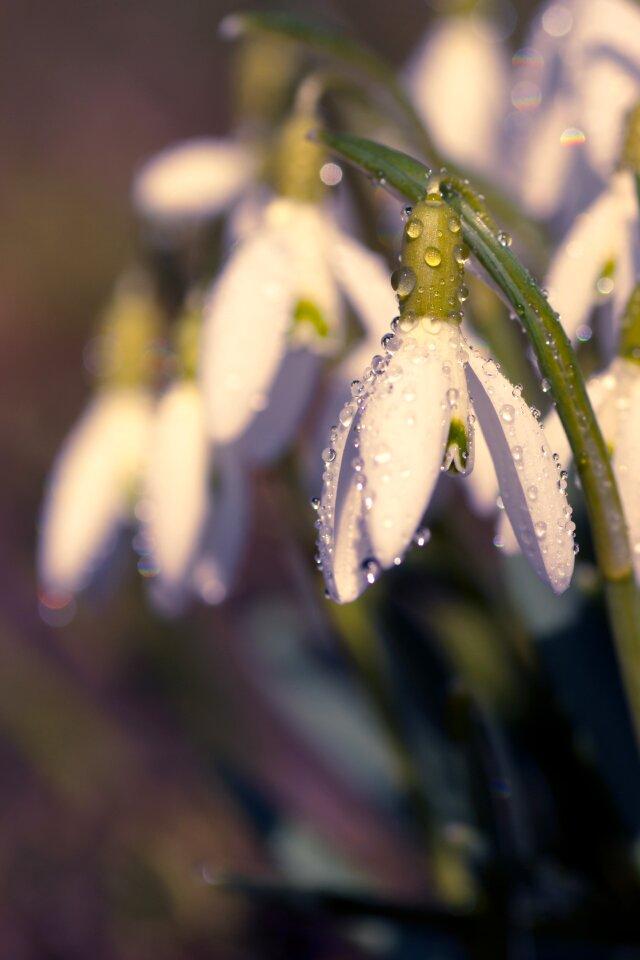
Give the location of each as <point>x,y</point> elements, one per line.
<point>507,413</point>
<point>422,536</point>
<point>504,239</point>
<point>540,529</point>
<point>432,257</point>
<point>408,321</point>
<point>545,385</point>
<point>315,503</point>
<point>403,281</point>
<point>414,228</point>
<point>454,225</point>
<point>453,396</point>
<point>378,364</point>
<point>461,253</point>
<point>532,493</point>
<point>371,569</point>
<point>347,414</point>
<point>328,454</point>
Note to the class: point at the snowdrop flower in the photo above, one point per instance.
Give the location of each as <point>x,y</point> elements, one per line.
<point>615,398</point>
<point>93,485</point>
<point>600,255</point>
<point>189,182</point>
<point>583,61</point>
<point>187,548</point>
<point>195,506</point>
<point>463,109</point>
<point>413,416</point>
<point>280,293</point>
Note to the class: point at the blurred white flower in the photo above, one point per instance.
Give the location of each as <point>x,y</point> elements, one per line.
<point>411,418</point>
<point>280,294</point>
<point>92,488</point>
<point>615,398</point>
<point>583,57</point>
<point>193,180</point>
<point>194,506</point>
<point>458,79</point>
<point>598,258</point>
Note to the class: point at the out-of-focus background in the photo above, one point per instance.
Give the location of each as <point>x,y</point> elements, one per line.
<point>142,762</point>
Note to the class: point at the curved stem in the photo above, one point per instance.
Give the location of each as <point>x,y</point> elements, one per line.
<point>558,364</point>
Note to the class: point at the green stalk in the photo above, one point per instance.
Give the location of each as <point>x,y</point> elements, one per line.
<point>352,55</point>
<point>375,76</point>
<point>558,364</point>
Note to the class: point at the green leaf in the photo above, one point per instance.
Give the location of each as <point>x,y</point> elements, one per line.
<point>397,171</point>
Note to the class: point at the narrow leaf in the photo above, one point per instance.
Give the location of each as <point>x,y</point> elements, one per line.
<point>397,171</point>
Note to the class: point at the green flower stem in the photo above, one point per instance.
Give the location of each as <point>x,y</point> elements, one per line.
<point>558,364</point>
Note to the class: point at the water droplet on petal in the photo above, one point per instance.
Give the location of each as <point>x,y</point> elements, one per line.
<point>328,454</point>
<point>508,413</point>
<point>371,569</point>
<point>422,536</point>
<point>315,503</point>
<point>432,257</point>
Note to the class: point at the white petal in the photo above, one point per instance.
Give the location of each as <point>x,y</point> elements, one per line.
<point>342,541</point>
<point>482,484</point>
<point>403,434</point>
<point>226,532</point>
<point>458,81</point>
<point>272,429</point>
<point>191,180</point>
<point>546,164</point>
<point>246,321</point>
<point>527,474</point>
<point>608,91</point>
<point>307,236</point>
<point>91,488</point>
<point>364,278</point>
<point>177,482</point>
<point>626,460</point>
<point>592,241</point>
<point>627,266</point>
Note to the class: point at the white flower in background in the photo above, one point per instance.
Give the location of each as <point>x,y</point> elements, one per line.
<point>92,488</point>
<point>175,491</point>
<point>412,416</point>
<point>193,180</point>
<point>458,80</point>
<point>194,506</point>
<point>582,65</point>
<point>615,398</point>
<point>94,482</point>
<point>281,293</point>
<point>598,258</point>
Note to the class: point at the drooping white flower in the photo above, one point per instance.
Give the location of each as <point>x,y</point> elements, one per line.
<point>458,80</point>
<point>412,416</point>
<point>195,505</point>
<point>615,398</point>
<point>382,466</point>
<point>92,488</point>
<point>176,483</point>
<point>280,292</point>
<point>585,64</point>
<point>599,257</point>
<point>190,181</point>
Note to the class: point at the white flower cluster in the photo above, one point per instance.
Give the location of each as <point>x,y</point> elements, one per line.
<point>178,464</point>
